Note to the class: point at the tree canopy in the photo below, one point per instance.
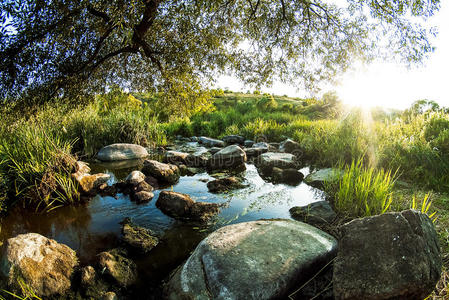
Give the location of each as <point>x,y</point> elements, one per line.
<point>67,48</point>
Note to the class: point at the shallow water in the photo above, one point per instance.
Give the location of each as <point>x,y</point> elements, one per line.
<point>94,227</point>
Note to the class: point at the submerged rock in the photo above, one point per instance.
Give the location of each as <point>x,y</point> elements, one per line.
<point>253,260</point>
<point>224,184</point>
<point>228,158</point>
<point>181,206</point>
<point>390,256</point>
<point>316,213</point>
<point>138,238</point>
<point>317,178</point>
<point>119,151</point>
<point>287,176</point>
<point>166,173</point>
<point>267,161</point>
<point>117,267</point>
<point>135,177</point>
<point>209,142</point>
<point>43,264</point>
<point>175,157</point>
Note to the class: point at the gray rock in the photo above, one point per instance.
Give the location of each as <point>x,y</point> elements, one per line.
<point>175,157</point>
<point>254,152</point>
<point>227,158</point>
<point>117,267</point>
<point>214,150</point>
<point>287,176</point>
<point>390,256</point>
<point>166,173</point>
<point>290,146</point>
<point>181,206</point>
<point>138,238</point>
<point>316,213</point>
<point>317,178</point>
<point>253,260</point>
<point>209,142</point>
<point>248,143</point>
<point>194,139</point>
<point>224,184</point>
<point>43,264</point>
<point>189,171</point>
<point>142,197</point>
<point>234,139</point>
<point>198,160</point>
<point>121,152</point>
<point>274,146</point>
<point>267,161</point>
<point>135,177</point>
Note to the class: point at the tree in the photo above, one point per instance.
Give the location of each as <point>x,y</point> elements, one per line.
<point>67,48</point>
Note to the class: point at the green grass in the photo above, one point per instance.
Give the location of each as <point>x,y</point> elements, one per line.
<point>361,191</point>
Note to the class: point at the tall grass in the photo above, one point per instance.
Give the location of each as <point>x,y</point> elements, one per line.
<point>362,191</point>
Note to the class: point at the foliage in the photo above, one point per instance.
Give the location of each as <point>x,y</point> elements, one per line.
<point>54,49</point>
<point>362,191</point>
<point>267,103</point>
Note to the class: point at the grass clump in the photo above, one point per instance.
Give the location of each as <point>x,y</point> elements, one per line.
<point>362,191</point>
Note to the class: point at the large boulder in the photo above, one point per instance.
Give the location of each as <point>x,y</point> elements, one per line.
<point>43,264</point>
<point>224,184</point>
<point>165,173</point>
<point>116,152</point>
<point>316,213</point>
<point>175,157</point>
<point>181,206</point>
<point>234,139</point>
<point>117,267</point>
<point>228,158</point>
<point>139,239</point>
<point>254,260</point>
<point>267,161</point>
<point>390,256</point>
<point>209,142</point>
<point>319,177</point>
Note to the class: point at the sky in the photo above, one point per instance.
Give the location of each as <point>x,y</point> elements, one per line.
<point>385,84</point>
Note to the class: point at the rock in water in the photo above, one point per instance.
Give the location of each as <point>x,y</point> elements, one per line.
<point>118,267</point>
<point>317,178</point>
<point>253,260</point>
<point>181,206</point>
<point>224,184</point>
<point>390,256</point>
<point>209,142</point>
<point>135,177</point>
<point>165,173</point>
<point>317,213</point>
<point>234,139</point>
<point>116,152</point>
<point>43,264</point>
<point>138,238</point>
<point>267,161</point>
<point>227,158</point>
<point>89,184</point>
<point>175,157</point>
<point>290,146</point>
<point>287,176</point>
